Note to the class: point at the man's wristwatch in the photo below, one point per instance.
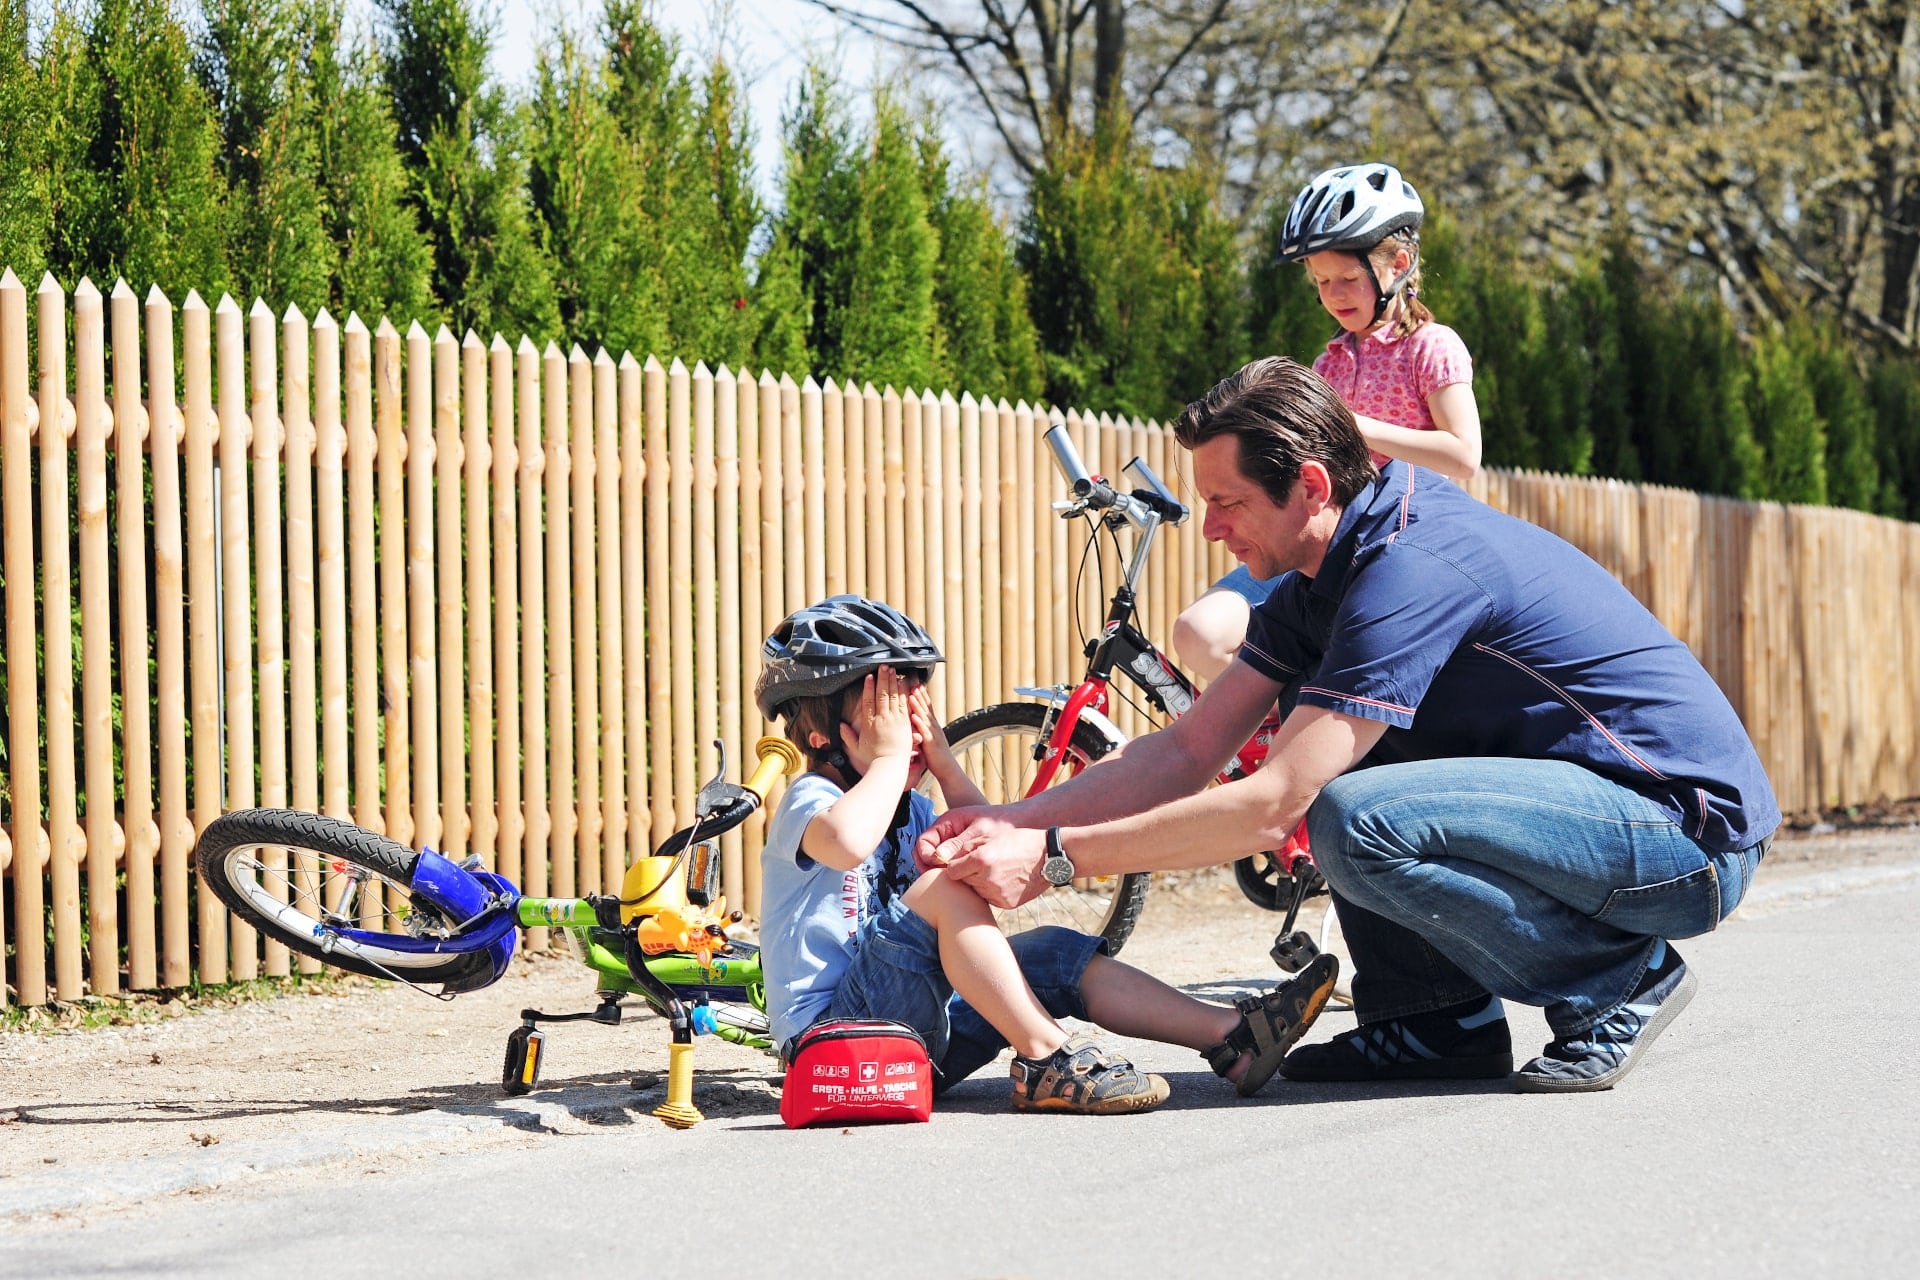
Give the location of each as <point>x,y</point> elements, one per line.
<point>1058,868</point>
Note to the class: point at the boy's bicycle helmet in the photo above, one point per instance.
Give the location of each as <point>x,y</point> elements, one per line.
<point>825,647</point>
<point>1350,209</point>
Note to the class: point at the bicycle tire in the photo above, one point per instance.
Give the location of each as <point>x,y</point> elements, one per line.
<point>281,905</point>
<point>995,746</point>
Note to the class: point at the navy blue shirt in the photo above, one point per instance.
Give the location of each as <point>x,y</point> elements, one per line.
<point>1472,633</point>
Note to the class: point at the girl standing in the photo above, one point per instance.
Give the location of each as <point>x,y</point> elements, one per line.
<point>1407,378</point>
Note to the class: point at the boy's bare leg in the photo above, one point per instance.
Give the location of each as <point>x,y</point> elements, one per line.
<point>981,966</point>
<point>1129,1002</point>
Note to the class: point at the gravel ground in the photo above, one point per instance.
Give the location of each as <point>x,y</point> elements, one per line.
<point>351,1062</point>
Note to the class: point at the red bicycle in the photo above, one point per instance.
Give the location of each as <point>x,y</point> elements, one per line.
<point>1016,749</point>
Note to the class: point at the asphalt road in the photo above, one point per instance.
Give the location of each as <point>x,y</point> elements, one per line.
<point>1774,1130</point>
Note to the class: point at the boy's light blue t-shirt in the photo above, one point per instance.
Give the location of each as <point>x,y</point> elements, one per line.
<point>811,915</point>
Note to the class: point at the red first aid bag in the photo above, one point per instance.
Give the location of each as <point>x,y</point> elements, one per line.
<point>857,1071</point>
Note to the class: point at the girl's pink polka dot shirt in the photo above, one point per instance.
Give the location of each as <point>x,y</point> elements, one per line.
<point>1384,376</point>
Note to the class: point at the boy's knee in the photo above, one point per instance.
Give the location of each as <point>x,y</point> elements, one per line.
<point>945,902</point>
<point>1208,632</point>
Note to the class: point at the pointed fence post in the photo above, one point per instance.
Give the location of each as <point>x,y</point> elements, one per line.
<point>390,508</point>
<point>104,840</point>
<point>559,674</point>
<point>633,603</point>
<point>504,455</point>
<point>131,433</point>
<point>609,529</point>
<point>448,728</point>
<point>706,637</point>
<point>536,864</point>
<point>23,686</point>
<point>482,814</point>
<point>586,622</point>
<point>726,463</point>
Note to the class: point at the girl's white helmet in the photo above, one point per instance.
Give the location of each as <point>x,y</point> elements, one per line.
<point>1351,209</point>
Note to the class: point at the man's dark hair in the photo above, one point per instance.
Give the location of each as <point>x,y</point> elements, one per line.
<point>1283,414</point>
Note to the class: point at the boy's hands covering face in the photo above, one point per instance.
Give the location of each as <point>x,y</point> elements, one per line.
<point>882,723</point>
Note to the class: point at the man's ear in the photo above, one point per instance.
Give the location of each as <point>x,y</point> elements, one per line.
<point>817,740</point>
<point>1316,482</point>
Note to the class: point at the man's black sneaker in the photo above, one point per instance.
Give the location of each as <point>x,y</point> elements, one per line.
<point>1464,1042</point>
<point>1599,1056</point>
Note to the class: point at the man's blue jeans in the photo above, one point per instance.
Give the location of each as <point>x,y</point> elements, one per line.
<point>1536,880</point>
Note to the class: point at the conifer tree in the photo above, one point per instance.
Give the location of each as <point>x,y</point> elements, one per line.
<point>24,206</point>
<point>1705,413</point>
<point>605,291</point>
<point>1786,424</point>
<point>804,272</point>
<point>134,190</point>
<point>887,324</point>
<point>780,308</point>
<point>1018,342</point>
<point>663,267</point>
<point>717,180</point>
<point>1594,340</point>
<point>383,260</point>
<point>458,139</point>
<point>1893,388</point>
<point>1840,400</point>
<point>253,61</point>
<point>69,94</point>
<point>1134,280</point>
<point>972,348</point>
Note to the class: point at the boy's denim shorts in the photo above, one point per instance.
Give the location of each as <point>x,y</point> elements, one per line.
<point>1241,582</point>
<point>896,974</point>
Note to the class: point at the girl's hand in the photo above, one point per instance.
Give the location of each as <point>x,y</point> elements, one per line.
<point>882,725</point>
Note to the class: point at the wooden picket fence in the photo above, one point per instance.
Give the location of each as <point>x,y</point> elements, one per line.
<point>502,601</point>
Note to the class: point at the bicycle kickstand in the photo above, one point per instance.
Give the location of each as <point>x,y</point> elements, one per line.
<point>1295,949</point>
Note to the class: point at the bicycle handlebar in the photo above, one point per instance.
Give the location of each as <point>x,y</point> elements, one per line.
<point>1093,493</point>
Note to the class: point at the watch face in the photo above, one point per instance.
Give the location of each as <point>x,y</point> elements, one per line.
<point>1058,870</point>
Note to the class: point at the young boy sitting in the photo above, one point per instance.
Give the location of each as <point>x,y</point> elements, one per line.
<point>851,930</point>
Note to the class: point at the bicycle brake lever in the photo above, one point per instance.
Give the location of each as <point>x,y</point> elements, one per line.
<point>715,790</point>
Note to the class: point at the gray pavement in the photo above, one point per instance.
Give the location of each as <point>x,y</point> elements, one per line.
<point>1773,1131</point>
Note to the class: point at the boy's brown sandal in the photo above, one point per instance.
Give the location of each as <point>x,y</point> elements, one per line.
<point>1083,1078</point>
<point>1271,1024</point>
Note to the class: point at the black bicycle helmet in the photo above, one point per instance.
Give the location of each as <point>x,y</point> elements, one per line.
<point>1350,209</point>
<point>825,647</point>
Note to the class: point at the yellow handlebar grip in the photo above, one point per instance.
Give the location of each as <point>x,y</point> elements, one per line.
<point>777,758</point>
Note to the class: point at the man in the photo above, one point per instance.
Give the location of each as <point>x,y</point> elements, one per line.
<point>1518,784</point>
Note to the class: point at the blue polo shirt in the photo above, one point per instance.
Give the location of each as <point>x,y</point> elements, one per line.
<point>1472,633</point>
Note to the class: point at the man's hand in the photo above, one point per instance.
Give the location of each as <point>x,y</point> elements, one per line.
<point>1000,861</point>
<point>953,832</point>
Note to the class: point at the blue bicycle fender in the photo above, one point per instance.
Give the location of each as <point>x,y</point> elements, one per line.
<point>457,893</point>
<point>463,895</point>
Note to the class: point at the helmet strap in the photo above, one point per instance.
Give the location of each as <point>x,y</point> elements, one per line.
<point>1383,297</point>
<point>843,766</point>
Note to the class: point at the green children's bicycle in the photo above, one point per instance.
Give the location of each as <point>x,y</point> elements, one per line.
<point>334,891</point>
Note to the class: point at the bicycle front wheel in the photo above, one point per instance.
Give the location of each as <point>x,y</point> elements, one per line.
<point>997,746</point>
<point>317,884</point>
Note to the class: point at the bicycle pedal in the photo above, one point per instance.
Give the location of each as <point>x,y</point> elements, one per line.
<point>1294,951</point>
<point>521,1071</point>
